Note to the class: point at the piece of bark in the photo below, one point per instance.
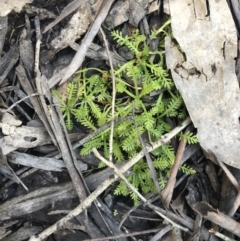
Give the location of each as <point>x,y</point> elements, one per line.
<point>8,6</point>
<point>234,8</point>
<point>118,14</point>
<point>6,148</point>
<point>5,169</point>
<point>35,200</point>
<point>215,216</point>
<point>173,235</point>
<point>3,32</point>
<point>161,233</point>
<point>42,12</point>
<point>234,180</point>
<point>238,63</point>
<point>23,233</point>
<point>133,10</point>
<point>137,10</point>
<point>25,136</point>
<point>4,230</point>
<point>197,227</point>
<point>212,175</point>
<point>189,151</point>
<point>71,7</point>
<point>44,163</point>
<point>44,196</point>
<point>9,119</point>
<point>8,61</point>
<point>26,47</point>
<point>206,78</point>
<point>28,87</point>
<point>76,27</point>
<point>228,191</point>
<point>100,16</point>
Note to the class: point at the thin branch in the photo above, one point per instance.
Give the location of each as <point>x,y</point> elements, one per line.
<point>113,96</point>
<point>220,235</point>
<point>124,235</point>
<point>19,101</point>
<point>168,189</point>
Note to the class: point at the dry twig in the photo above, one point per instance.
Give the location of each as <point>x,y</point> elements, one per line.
<point>168,189</point>
<point>125,235</point>
<point>113,96</point>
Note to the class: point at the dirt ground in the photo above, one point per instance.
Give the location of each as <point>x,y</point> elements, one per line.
<point>49,189</point>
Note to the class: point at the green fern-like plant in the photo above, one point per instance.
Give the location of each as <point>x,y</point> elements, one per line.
<point>89,102</point>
